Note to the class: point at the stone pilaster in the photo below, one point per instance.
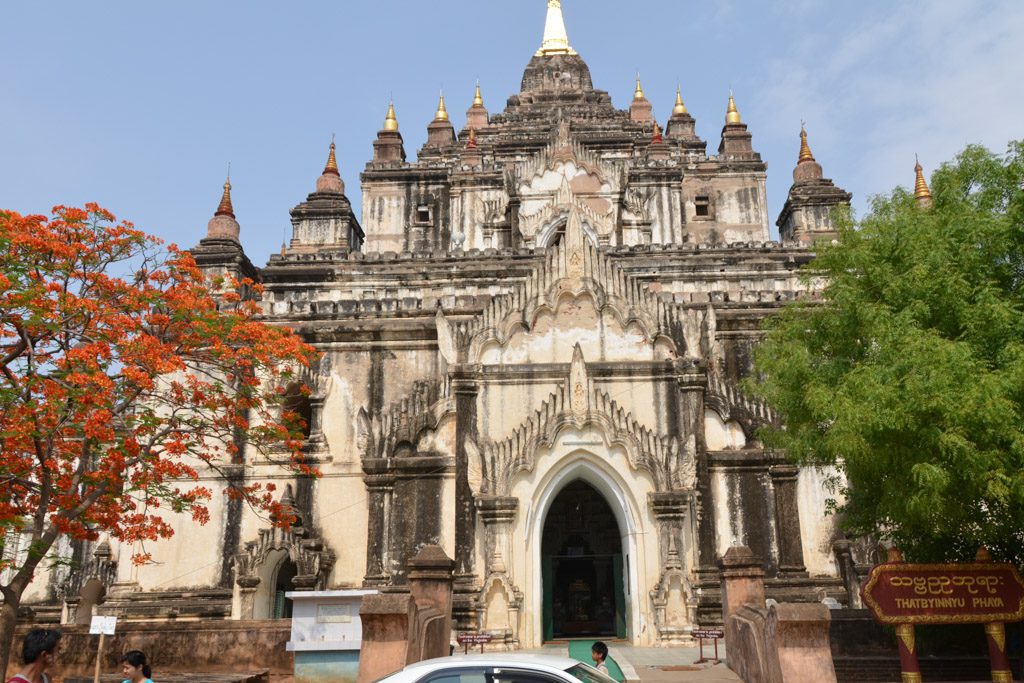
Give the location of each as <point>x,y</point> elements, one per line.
<point>787,520</point>
<point>498,514</point>
<point>465,391</point>
<point>379,488</point>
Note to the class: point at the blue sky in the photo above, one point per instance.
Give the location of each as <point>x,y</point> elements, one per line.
<point>141,105</point>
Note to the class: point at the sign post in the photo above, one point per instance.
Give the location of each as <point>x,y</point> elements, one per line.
<point>467,639</point>
<point>714,634</point>
<point>983,592</point>
<point>104,626</point>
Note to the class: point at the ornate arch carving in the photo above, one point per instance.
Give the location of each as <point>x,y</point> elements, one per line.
<point>579,404</point>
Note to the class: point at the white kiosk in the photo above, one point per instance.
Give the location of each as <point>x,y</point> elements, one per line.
<point>326,634</point>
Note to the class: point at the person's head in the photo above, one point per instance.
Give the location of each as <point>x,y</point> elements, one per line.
<point>40,646</point>
<point>134,666</point>
<point>599,652</point>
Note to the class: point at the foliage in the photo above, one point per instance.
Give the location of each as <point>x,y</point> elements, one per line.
<point>908,376</point>
<point>124,378</point>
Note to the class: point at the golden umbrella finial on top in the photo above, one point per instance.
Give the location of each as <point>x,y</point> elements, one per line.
<point>921,192</point>
<point>805,149</point>
<point>225,208</point>
<point>442,112</point>
<point>332,162</point>
<point>391,121</point>
<point>732,115</point>
<point>680,108</point>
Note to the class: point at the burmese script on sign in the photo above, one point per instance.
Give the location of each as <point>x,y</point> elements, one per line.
<point>944,593</point>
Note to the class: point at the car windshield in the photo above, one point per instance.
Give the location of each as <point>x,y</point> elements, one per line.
<point>588,674</point>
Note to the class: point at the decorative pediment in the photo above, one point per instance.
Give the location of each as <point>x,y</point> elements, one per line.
<point>561,178</point>
<point>579,404</point>
<point>726,399</point>
<point>404,421</point>
<point>573,267</point>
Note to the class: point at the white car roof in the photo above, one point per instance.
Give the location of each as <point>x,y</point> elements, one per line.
<point>498,659</point>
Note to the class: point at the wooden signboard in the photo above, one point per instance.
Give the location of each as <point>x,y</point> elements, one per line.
<point>982,593</point>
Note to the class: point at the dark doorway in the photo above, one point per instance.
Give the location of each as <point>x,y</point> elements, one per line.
<point>581,556</point>
<point>282,607</point>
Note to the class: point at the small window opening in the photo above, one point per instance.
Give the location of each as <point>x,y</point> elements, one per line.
<point>703,206</point>
<point>422,213</point>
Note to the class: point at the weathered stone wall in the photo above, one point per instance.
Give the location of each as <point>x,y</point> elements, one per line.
<point>185,647</point>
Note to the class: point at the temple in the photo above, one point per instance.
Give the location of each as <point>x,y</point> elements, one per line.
<point>532,342</point>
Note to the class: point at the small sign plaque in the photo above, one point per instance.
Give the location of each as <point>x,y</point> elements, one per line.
<point>102,625</point>
<point>333,614</point>
<point>707,633</point>
<point>981,593</point>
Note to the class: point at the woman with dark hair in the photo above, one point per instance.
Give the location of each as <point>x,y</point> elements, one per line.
<point>135,668</point>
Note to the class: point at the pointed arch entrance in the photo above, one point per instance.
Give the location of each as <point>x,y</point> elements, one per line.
<point>582,566</point>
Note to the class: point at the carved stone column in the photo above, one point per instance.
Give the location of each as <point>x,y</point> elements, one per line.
<point>692,381</point>
<point>674,608</point>
<point>379,488</point>
<point>787,520</point>
<point>247,586</point>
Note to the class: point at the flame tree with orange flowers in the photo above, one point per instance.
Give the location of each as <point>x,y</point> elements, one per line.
<point>124,377</point>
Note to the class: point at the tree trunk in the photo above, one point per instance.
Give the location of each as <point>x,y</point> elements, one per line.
<point>8,621</point>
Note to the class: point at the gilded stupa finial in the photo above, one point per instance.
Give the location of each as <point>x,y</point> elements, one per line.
<point>391,121</point>
<point>556,40</point>
<point>680,108</point>
<point>471,143</point>
<point>733,114</point>
<point>225,208</point>
<point>638,94</point>
<point>805,149</point>
<point>478,100</point>
<point>922,194</point>
<point>332,162</point>
<point>442,113</point>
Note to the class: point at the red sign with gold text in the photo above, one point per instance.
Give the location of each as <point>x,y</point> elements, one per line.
<point>981,593</point>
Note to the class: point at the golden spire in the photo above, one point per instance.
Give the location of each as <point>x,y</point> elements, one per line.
<point>225,208</point>
<point>680,108</point>
<point>478,101</point>
<point>805,149</point>
<point>442,113</point>
<point>638,94</point>
<point>733,114</point>
<point>921,192</point>
<point>332,162</point>
<point>471,144</point>
<point>556,40</point>
<point>390,122</point>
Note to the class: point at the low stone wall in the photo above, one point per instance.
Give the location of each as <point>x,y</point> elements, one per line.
<point>178,647</point>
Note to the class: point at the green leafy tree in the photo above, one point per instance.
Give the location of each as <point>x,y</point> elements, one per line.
<point>908,375</point>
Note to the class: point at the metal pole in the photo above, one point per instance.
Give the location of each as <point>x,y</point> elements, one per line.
<point>717,660</point>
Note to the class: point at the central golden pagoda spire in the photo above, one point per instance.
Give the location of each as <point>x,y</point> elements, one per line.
<point>556,40</point>
<point>805,149</point>
<point>478,100</point>
<point>390,121</point>
<point>680,108</point>
<point>442,113</point>
<point>733,114</point>
<point>225,208</point>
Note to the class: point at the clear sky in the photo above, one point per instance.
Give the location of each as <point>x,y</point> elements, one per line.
<point>141,105</point>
